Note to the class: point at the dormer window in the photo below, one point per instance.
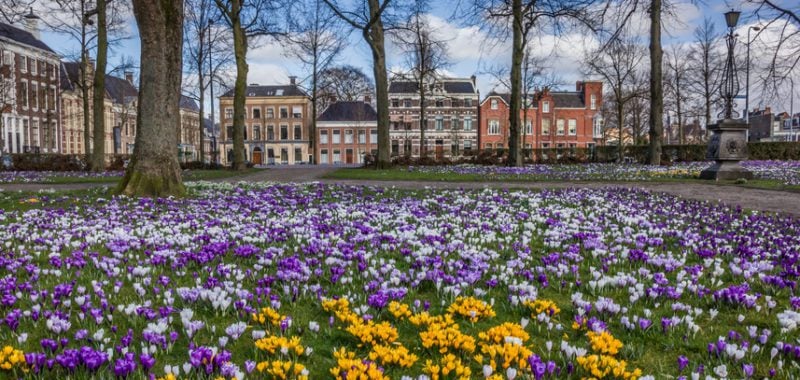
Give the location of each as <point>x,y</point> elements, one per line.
<point>593,103</point>
<point>494,104</point>
<point>546,106</point>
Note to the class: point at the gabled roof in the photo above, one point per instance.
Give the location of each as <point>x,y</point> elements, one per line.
<point>66,81</point>
<point>189,104</point>
<point>449,85</point>
<point>268,91</point>
<point>349,111</point>
<point>561,99</point>
<point>120,90</point>
<point>505,97</point>
<point>22,37</point>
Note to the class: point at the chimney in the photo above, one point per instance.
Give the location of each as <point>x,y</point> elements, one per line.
<point>579,86</point>
<point>129,76</point>
<point>367,99</point>
<point>767,110</point>
<point>32,24</point>
<point>333,98</point>
<point>292,80</point>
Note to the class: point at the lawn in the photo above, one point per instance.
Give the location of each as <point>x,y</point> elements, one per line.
<point>774,175</point>
<point>108,176</point>
<point>320,281</point>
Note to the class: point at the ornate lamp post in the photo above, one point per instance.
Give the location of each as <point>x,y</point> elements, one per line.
<point>728,144</point>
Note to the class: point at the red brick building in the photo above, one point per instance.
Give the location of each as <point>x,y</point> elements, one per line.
<point>346,132</point>
<point>553,119</point>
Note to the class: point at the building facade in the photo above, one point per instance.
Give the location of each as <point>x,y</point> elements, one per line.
<point>277,125</point>
<point>451,122</point>
<point>346,133</point>
<point>551,119</point>
<point>768,126</point>
<point>29,92</point>
<point>189,131</point>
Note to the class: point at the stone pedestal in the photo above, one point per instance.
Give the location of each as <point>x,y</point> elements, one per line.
<point>727,146</point>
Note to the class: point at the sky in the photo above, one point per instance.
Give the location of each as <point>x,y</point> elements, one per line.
<point>472,52</point>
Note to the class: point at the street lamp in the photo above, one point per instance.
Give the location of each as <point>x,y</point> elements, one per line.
<point>730,81</point>
<point>747,85</point>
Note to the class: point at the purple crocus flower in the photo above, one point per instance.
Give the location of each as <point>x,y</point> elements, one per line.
<point>683,361</point>
<point>125,365</point>
<point>748,370</point>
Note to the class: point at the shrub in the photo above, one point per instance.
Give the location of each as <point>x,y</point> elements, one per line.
<point>47,162</point>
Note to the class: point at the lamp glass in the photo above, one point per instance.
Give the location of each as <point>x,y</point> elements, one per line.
<point>732,18</point>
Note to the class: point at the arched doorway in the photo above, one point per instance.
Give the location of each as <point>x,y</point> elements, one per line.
<point>258,157</point>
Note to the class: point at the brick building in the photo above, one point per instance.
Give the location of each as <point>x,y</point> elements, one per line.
<point>29,91</point>
<point>277,124</point>
<point>768,126</point>
<point>552,119</point>
<point>346,132</point>
<point>452,117</point>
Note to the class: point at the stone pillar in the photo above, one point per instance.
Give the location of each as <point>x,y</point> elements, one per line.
<point>727,146</point>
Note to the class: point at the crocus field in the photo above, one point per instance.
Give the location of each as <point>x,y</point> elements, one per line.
<point>785,172</point>
<point>321,281</point>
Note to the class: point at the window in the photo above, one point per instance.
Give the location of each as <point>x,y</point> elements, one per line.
<point>573,127</point>
<point>229,113</point>
<point>395,103</point>
<point>323,137</point>
<point>337,156</point>
<point>348,136</point>
<point>245,132</point>
<point>23,93</point>
<point>598,127</point>
<point>270,113</point>
<point>284,113</point>
<point>439,103</point>
<point>373,136</point>
<point>34,95</point>
<point>487,146</point>
<point>545,145</point>
<point>467,103</point>
<point>467,123</point>
<point>560,127</point>
<point>337,136</point>
<point>23,64</point>
<point>593,104</point>
<point>439,123</point>
<point>323,156</point>
<point>395,147</point>
<point>494,127</point>
<point>529,127</point>
<point>298,155</point>
<point>545,126</point>
<point>271,132</point>
<point>362,137</point>
<point>8,57</point>
<point>298,132</point>
<point>229,132</point>
<point>467,145</point>
<point>256,132</point>
<point>494,104</point>
<point>33,66</point>
<point>454,123</point>
<point>407,103</point>
<point>545,106</point>
<point>297,112</point>
<point>256,113</point>
<point>284,132</point>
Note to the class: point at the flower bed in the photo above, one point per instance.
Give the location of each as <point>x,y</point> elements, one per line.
<point>788,172</point>
<point>316,281</point>
<point>49,176</point>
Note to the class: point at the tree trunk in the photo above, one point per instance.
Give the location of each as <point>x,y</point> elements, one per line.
<point>98,163</point>
<point>239,92</point>
<point>656,85</point>
<point>517,55</point>
<point>201,79</point>
<point>423,119</point>
<point>154,169</point>
<point>375,37</point>
<point>620,124</point>
<point>85,99</point>
<point>312,138</point>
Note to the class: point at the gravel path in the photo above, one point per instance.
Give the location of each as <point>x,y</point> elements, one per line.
<point>754,199</point>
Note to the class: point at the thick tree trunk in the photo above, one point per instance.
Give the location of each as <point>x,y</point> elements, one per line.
<point>201,80</point>
<point>240,89</point>
<point>656,85</point>
<point>517,55</point>
<point>375,38</point>
<point>154,169</point>
<point>98,163</point>
<point>87,123</point>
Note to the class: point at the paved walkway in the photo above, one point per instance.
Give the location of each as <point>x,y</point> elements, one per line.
<point>754,199</point>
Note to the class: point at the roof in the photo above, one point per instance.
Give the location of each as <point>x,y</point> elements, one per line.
<point>66,76</point>
<point>120,90</point>
<point>189,104</point>
<point>263,91</point>
<point>349,111</point>
<point>23,37</point>
<point>561,99</point>
<point>450,86</point>
<point>211,129</point>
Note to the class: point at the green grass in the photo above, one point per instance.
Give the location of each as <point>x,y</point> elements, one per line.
<point>188,175</point>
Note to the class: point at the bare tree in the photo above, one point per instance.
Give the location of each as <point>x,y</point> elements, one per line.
<point>678,67</point>
<point>248,20</point>
<point>98,162</point>
<point>784,58</point>
<point>617,64</point>
<point>704,67</point>
<point>320,39</point>
<point>519,19</point>
<point>346,83</point>
<point>425,56</point>
<point>154,169</point>
<point>206,53</point>
<point>12,10</point>
<point>368,17</point>
<point>7,97</point>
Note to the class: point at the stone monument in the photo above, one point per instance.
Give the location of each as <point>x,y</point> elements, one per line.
<point>727,146</point>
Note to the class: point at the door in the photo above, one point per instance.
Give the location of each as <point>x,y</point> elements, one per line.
<point>439,149</point>
<point>348,156</point>
<point>258,158</point>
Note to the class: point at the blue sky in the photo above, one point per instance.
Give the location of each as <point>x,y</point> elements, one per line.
<point>471,53</point>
